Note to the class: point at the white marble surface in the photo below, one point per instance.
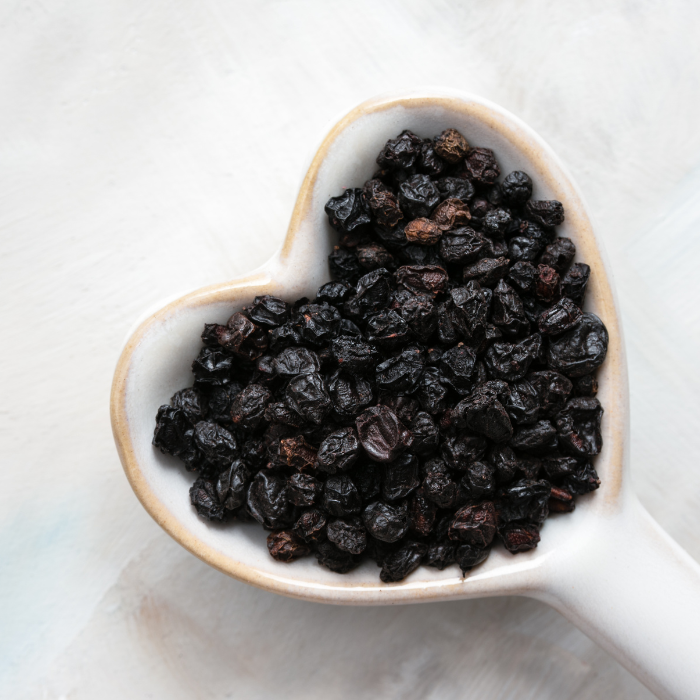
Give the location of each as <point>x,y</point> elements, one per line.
<point>151,148</point>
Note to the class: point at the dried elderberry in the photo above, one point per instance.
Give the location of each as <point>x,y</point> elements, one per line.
<point>435,399</point>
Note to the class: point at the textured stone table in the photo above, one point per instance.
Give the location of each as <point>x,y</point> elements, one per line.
<point>147,149</point>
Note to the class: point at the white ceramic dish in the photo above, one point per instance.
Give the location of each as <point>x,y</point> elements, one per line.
<point>607,567</point>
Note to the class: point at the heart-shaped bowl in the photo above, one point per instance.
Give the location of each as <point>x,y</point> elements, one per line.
<point>588,564</point>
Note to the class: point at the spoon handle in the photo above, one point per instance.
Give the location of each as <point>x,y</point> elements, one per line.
<point>636,592</point>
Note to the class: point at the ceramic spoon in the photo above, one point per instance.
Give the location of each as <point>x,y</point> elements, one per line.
<point>607,567</point>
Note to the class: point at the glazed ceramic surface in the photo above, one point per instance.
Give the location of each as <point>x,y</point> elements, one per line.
<point>607,566</point>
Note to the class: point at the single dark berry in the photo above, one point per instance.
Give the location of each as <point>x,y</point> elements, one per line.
<point>479,207</point>
<point>242,337</point>
<point>401,152</point>
<point>348,212</point>
<point>426,435</point>
<point>278,412</point>
<point>354,355</point>
<point>474,525</point>
<point>553,389</point>
<point>462,245</point>
<point>459,452</point>
<point>267,501</point>
<point>427,279</point>
<point>548,213</point>
<point>173,433</point>
<point>503,458</point>
<point>455,188</point>
<point>335,559</point>
<point>429,162</point>
<point>516,188</point>
<point>468,556</point>
<point>574,282</point>
<point>457,367</point>
<point>418,196</point>
<point>295,360</point>
<point>523,402</point>
<point>524,249</point>
<point>340,496</point>
<point>487,271</point>
<point>431,393</point>
<point>387,523</point>
<point>318,323</point>
<point>338,451</point>
<point>372,256</point>
<point>350,395</point>
<point>583,479</point>
<point>303,490</point>
<point>372,292</point>
<point>439,488</point>
<point>348,535</point>
<point>558,468</point>
<point>578,426</point>
<point>483,413</point>
<point>232,485</point>
<point>401,478</point>
<point>420,314</point>
<point>206,501</point>
<point>508,313</point>
<point>217,443</point>
<point>307,395</point>
<point>496,223</point>
<point>400,374</point>
<point>269,311</point>
<point>440,555</point>
<point>539,436</point>
<point>526,499</point>
<point>511,361</point>
<point>311,526</point>
<point>481,166</point>
<point>333,293</point>
<point>192,402</point>
<point>401,563</point>
<point>387,330</point>
<point>344,264</point>
<point>559,254</point>
<point>382,435</point>
<point>519,537</point>
<point>212,367</point>
<point>581,350</point>
<point>522,277</point>
<point>284,336</point>
<point>561,317</point>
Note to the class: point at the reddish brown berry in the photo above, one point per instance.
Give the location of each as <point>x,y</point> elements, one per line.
<point>451,146</point>
<point>450,214</point>
<point>423,232</point>
<point>285,546</point>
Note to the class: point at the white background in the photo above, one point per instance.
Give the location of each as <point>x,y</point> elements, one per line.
<point>151,147</point>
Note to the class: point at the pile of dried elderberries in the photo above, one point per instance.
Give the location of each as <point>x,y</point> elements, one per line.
<point>437,396</point>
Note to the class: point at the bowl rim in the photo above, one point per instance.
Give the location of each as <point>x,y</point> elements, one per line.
<point>524,577</point>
